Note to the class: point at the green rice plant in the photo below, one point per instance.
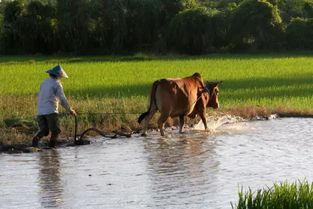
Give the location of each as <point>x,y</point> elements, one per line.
<point>296,195</point>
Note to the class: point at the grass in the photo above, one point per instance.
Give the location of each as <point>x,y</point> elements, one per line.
<point>252,84</point>
<point>297,195</point>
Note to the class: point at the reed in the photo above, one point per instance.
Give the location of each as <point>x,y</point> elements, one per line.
<point>296,195</point>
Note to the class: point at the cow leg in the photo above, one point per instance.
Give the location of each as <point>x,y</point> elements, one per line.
<point>147,119</point>
<point>161,121</point>
<point>202,116</point>
<point>181,123</point>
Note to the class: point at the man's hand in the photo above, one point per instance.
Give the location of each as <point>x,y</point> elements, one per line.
<point>72,112</point>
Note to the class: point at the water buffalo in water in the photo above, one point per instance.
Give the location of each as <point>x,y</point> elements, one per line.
<point>180,97</point>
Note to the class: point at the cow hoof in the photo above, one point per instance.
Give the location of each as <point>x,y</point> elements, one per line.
<point>144,134</point>
<point>208,130</point>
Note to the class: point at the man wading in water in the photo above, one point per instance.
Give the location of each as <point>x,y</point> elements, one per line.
<point>51,92</point>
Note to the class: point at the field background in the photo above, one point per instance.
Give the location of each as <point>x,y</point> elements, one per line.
<point>101,85</point>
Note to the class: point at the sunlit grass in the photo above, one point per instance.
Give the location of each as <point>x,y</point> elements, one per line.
<point>256,81</point>
<point>297,195</point>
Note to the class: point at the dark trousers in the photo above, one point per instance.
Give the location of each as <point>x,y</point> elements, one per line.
<point>47,123</point>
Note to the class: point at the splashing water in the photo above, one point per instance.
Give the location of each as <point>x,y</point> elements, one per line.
<point>216,122</point>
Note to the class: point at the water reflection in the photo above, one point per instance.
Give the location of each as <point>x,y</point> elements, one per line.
<point>51,189</point>
<point>182,169</point>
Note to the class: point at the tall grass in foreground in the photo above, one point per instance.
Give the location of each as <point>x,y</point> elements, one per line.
<point>297,195</point>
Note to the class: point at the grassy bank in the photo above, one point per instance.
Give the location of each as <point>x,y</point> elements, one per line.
<point>98,86</point>
<point>297,195</point>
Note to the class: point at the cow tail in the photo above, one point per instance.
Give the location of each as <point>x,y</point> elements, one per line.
<point>152,101</point>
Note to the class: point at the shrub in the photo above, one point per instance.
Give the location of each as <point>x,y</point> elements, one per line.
<point>37,28</point>
<point>191,31</point>
<point>10,36</point>
<point>299,34</point>
<point>256,24</point>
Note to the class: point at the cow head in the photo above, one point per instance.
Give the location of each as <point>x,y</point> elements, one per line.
<point>213,91</point>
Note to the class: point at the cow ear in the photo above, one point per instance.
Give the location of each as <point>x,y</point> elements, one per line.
<point>219,82</point>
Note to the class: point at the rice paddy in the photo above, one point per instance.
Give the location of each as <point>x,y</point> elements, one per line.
<point>122,84</point>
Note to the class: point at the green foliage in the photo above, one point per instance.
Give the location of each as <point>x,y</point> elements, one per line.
<point>38,26</point>
<point>222,27</point>
<point>291,9</point>
<point>111,28</point>
<point>2,6</point>
<point>256,24</point>
<point>191,31</point>
<point>29,29</point>
<point>74,25</point>
<point>299,34</point>
<point>308,9</point>
<point>173,7</point>
<point>220,4</point>
<point>118,26</point>
<point>10,35</point>
<point>297,195</point>
<point>143,19</point>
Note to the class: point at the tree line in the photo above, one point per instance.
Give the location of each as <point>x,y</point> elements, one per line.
<point>160,26</point>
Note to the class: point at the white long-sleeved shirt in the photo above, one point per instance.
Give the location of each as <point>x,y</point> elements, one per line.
<point>51,92</point>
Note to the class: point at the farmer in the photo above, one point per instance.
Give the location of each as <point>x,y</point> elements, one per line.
<point>51,92</point>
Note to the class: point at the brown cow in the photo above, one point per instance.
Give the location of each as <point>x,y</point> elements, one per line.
<point>179,98</point>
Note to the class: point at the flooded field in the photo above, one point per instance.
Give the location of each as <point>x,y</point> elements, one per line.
<point>191,170</point>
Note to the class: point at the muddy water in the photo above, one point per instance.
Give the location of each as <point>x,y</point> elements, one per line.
<point>192,170</point>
